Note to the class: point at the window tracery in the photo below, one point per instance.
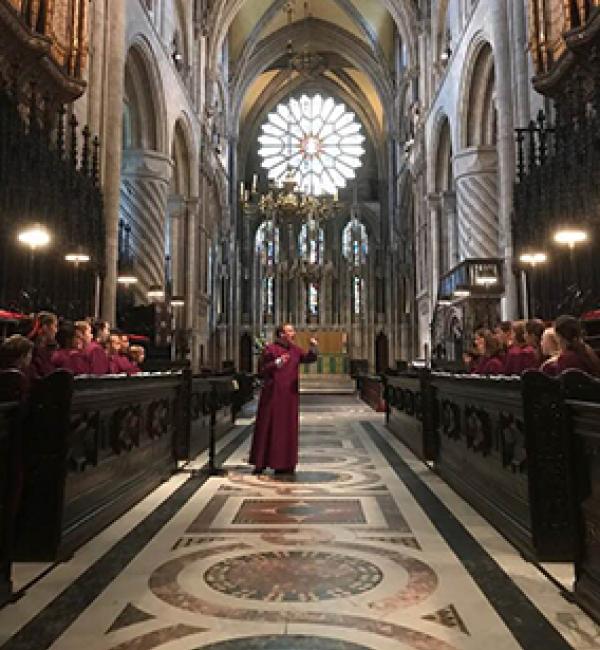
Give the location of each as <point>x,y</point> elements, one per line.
<point>317,139</point>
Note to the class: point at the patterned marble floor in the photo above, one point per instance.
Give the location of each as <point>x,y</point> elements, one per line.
<point>364,549</point>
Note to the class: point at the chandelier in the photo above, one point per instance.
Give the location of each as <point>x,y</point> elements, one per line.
<point>288,202</point>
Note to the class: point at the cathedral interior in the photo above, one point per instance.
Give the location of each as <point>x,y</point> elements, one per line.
<point>398,179</point>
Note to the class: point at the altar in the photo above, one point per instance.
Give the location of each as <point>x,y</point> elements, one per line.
<point>333,352</point>
<point>331,373</point>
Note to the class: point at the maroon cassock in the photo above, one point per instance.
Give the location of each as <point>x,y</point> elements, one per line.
<point>98,359</point>
<point>73,360</point>
<point>275,442</point>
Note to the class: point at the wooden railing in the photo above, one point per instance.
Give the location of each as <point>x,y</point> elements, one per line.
<point>90,448</point>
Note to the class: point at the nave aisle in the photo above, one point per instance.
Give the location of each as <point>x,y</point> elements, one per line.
<point>364,549</point>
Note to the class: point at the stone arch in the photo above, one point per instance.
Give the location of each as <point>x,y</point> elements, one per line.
<point>477,104</point>
<point>404,15</point>
<point>144,104</point>
<point>476,164</point>
<point>146,167</point>
<point>444,201</point>
<point>322,34</point>
<point>297,87</point>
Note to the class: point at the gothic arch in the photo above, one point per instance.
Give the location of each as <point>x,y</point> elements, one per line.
<point>144,103</point>
<point>323,34</point>
<point>403,13</point>
<point>258,116</point>
<point>183,159</point>
<point>477,105</point>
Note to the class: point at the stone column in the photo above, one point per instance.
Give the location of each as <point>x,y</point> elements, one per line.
<point>521,63</point>
<point>112,154</point>
<point>476,171</point>
<point>144,191</point>
<point>506,149</point>
<point>433,204</point>
<point>450,216</point>
<point>97,68</point>
<point>191,279</point>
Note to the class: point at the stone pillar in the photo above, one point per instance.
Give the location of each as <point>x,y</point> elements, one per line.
<point>521,63</point>
<point>450,216</point>
<point>112,153</point>
<point>506,149</point>
<point>144,191</point>
<point>191,279</point>
<point>477,191</point>
<point>97,68</point>
<point>433,204</point>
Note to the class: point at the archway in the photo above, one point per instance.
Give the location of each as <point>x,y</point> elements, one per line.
<point>146,172</point>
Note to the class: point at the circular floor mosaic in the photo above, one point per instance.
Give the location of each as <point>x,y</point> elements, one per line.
<point>284,642</point>
<point>293,576</point>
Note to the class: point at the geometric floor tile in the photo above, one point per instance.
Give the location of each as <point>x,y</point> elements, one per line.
<point>295,511</point>
<point>129,616</point>
<point>293,576</point>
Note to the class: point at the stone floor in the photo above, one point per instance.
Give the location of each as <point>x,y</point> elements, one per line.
<point>365,548</point>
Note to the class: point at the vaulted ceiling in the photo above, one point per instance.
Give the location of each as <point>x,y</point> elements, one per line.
<point>352,48</point>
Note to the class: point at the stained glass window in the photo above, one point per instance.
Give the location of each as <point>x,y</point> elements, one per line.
<point>315,137</point>
<point>312,243</point>
<point>313,299</point>
<point>267,244</point>
<point>268,297</point>
<point>355,243</point>
<point>358,292</point>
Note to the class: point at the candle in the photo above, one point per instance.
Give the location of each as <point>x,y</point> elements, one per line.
<point>335,195</point>
<point>254,182</point>
<point>241,189</point>
<point>246,196</point>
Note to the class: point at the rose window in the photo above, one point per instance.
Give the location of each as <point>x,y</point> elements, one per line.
<point>319,140</point>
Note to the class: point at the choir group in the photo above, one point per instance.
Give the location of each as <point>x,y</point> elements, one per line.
<point>85,347</point>
<point>512,348</point>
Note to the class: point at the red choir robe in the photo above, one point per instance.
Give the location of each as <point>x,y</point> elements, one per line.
<point>519,359</point>
<point>489,366</point>
<point>41,361</point>
<point>120,364</point>
<point>275,441</point>
<point>98,359</point>
<point>569,360</point>
<point>73,360</point>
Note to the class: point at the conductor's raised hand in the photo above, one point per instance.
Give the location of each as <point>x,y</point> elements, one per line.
<point>314,343</point>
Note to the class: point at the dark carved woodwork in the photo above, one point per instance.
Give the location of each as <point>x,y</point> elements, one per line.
<point>412,413</point>
<point>42,182</point>
<point>371,391</point>
<point>549,459</point>
<point>94,447</point>
<point>498,442</point>
<point>10,412</point>
<point>582,398</point>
